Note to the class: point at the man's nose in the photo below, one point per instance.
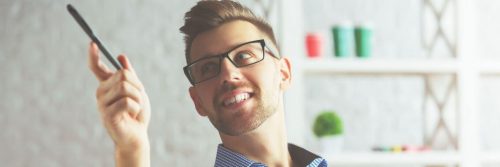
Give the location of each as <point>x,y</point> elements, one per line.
<point>228,71</point>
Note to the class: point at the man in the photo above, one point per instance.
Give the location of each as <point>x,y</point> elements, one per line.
<point>238,79</point>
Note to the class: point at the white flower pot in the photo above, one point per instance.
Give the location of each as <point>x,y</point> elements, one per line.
<point>331,144</point>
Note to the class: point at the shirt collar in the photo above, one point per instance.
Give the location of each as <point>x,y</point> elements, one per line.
<point>300,156</point>
<point>226,157</point>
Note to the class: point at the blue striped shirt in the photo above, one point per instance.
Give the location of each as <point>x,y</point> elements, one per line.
<point>300,156</point>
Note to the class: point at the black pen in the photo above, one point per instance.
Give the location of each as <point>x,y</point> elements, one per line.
<point>91,34</point>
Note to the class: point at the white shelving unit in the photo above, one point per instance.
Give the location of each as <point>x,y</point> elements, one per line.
<point>466,67</point>
<point>402,67</point>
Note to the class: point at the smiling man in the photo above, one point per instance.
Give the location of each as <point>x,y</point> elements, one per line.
<point>238,80</point>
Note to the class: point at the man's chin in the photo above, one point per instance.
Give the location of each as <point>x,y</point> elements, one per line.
<point>236,132</point>
<point>237,127</point>
<point>241,121</point>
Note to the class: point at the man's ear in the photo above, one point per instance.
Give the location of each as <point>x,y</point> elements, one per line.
<point>197,101</point>
<point>286,73</point>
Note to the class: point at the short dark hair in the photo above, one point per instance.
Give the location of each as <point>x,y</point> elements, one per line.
<point>209,14</point>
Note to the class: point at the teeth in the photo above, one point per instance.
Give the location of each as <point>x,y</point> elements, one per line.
<point>236,99</point>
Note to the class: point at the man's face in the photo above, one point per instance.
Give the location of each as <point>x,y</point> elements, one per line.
<point>238,100</point>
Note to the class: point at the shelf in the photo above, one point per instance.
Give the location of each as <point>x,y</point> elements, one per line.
<point>367,66</point>
<point>490,158</point>
<point>427,158</point>
<point>406,67</point>
<point>490,67</point>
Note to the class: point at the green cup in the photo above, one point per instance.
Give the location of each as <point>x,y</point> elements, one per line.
<point>363,35</point>
<point>343,40</point>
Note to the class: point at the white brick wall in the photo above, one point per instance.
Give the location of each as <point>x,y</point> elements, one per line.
<point>48,111</point>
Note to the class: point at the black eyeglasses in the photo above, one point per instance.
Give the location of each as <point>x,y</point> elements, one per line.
<point>244,54</point>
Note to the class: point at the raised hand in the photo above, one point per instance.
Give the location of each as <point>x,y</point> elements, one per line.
<point>124,109</point>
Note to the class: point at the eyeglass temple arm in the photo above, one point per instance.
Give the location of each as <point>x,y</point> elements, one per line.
<point>273,52</point>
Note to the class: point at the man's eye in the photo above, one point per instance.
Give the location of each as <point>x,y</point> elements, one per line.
<point>208,68</point>
<point>245,58</point>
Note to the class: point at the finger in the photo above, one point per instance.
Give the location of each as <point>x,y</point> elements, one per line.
<point>124,104</point>
<point>124,89</point>
<point>145,112</point>
<point>125,63</point>
<point>132,77</point>
<point>100,70</point>
<point>123,75</point>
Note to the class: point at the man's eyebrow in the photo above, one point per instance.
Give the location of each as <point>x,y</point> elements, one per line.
<point>234,46</point>
<point>205,55</point>
<point>210,55</point>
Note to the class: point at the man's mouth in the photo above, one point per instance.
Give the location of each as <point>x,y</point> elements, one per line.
<point>236,99</point>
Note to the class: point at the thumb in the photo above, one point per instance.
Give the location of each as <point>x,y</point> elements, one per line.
<point>125,62</point>
<point>100,70</point>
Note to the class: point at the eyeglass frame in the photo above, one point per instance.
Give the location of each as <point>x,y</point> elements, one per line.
<point>226,55</point>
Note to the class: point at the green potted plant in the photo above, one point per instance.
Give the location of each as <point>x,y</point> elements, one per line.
<point>328,128</point>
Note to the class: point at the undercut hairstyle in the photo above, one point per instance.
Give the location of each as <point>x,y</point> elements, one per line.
<point>209,14</point>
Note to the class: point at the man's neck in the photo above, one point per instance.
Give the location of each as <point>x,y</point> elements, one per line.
<point>266,144</point>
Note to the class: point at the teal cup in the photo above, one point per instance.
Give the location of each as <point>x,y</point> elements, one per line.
<point>363,35</point>
<point>343,40</point>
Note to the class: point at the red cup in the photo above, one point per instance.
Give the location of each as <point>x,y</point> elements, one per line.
<point>314,45</point>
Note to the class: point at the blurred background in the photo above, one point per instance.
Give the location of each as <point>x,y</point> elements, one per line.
<point>431,81</point>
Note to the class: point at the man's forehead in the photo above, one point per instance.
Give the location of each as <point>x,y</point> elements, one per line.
<point>223,38</point>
